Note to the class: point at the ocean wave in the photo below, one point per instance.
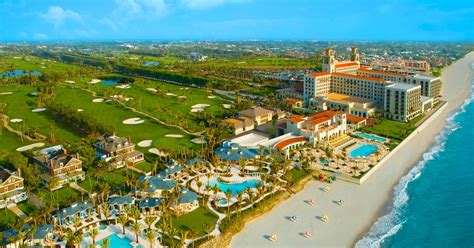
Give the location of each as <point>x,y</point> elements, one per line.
<point>389,224</point>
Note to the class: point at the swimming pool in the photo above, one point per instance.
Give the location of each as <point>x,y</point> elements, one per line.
<point>370,137</point>
<point>116,241</point>
<point>363,150</point>
<point>235,188</point>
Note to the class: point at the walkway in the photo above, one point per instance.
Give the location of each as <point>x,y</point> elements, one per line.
<point>17,211</point>
<point>75,186</point>
<point>34,199</point>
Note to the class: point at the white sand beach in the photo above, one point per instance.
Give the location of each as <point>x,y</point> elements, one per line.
<point>363,203</point>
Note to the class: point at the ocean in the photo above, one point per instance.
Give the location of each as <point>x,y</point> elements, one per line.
<point>433,205</point>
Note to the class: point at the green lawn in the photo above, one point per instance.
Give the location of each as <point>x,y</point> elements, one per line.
<point>200,220</point>
<point>144,166</point>
<point>27,207</point>
<point>297,174</point>
<point>113,114</point>
<point>389,129</point>
<point>19,105</point>
<point>115,179</point>
<point>7,219</point>
<point>62,197</point>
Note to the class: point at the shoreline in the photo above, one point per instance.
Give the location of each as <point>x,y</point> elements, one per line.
<point>366,203</point>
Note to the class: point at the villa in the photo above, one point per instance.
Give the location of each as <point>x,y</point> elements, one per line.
<point>258,114</point>
<point>80,210</point>
<point>150,205</point>
<point>43,237</point>
<point>12,189</point>
<point>55,163</point>
<point>118,204</point>
<point>187,202</point>
<point>240,124</point>
<point>118,151</point>
<point>359,90</point>
<point>173,170</point>
<point>154,186</point>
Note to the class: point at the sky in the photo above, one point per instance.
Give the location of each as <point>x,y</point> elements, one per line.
<point>367,20</point>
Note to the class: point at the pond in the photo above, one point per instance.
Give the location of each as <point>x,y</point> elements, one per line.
<point>19,73</point>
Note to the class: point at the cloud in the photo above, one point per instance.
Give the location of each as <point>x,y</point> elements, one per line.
<point>205,4</point>
<point>57,16</point>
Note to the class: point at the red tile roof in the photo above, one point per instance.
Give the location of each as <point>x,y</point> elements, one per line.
<point>326,113</point>
<point>284,143</point>
<point>355,119</point>
<point>365,67</point>
<point>319,120</point>
<point>296,119</point>
<point>383,72</point>
<point>292,100</point>
<point>359,77</point>
<point>346,64</point>
<point>317,74</point>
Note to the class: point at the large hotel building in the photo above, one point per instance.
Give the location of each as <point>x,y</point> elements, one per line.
<point>360,90</point>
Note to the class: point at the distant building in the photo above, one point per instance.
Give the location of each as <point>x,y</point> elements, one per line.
<point>118,151</point>
<point>240,124</point>
<point>12,190</point>
<point>258,114</point>
<point>54,163</point>
<point>402,101</point>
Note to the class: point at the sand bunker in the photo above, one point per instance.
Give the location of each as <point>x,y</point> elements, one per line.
<point>211,97</point>
<point>227,106</point>
<point>196,110</point>
<point>182,97</point>
<point>29,147</point>
<point>170,94</point>
<point>69,82</point>
<point>38,110</point>
<point>145,143</point>
<point>152,90</point>
<point>123,86</point>
<point>34,93</point>
<point>157,152</point>
<point>174,136</point>
<point>198,141</point>
<point>80,110</point>
<point>133,121</point>
<point>6,93</point>
<point>200,106</point>
<point>98,100</point>
<point>16,120</point>
<point>94,81</point>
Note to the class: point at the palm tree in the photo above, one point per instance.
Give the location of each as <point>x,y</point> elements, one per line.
<point>76,222</point>
<point>106,243</point>
<point>106,211</point>
<point>228,195</point>
<point>149,221</point>
<point>151,237</point>
<point>183,235</point>
<point>123,219</point>
<point>193,235</point>
<point>136,227</point>
<point>69,237</point>
<point>93,233</point>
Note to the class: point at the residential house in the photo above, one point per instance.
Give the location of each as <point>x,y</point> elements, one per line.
<point>12,189</point>
<point>66,216</point>
<point>57,166</point>
<point>240,124</point>
<point>294,103</point>
<point>150,205</point>
<point>118,204</point>
<point>154,186</point>
<point>187,202</point>
<point>118,151</point>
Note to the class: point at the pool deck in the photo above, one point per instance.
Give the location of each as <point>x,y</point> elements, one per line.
<point>117,229</point>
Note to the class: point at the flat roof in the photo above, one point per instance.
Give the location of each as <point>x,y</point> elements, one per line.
<point>250,139</point>
<point>402,86</point>
<point>425,77</point>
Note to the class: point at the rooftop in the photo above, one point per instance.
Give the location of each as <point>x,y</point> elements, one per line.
<point>402,86</point>
<point>383,72</point>
<point>254,112</point>
<point>346,64</point>
<point>284,143</point>
<point>425,77</point>
<point>359,77</point>
<point>318,74</point>
<point>346,98</point>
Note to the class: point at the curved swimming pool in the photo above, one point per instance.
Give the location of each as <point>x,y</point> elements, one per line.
<point>364,150</point>
<point>235,188</point>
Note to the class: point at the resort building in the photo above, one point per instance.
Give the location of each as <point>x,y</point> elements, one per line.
<point>294,103</point>
<point>118,204</point>
<point>402,101</point>
<point>118,151</point>
<point>360,90</point>
<point>240,124</point>
<point>57,166</point>
<point>12,190</point>
<point>42,237</point>
<point>187,202</point>
<point>154,186</point>
<point>258,114</point>
<point>150,205</point>
<point>66,216</point>
<point>321,127</point>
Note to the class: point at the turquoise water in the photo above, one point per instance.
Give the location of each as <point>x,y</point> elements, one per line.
<point>433,205</point>
<point>235,188</point>
<point>363,150</point>
<point>370,137</point>
<point>102,227</point>
<point>109,82</point>
<point>18,73</point>
<point>116,241</point>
